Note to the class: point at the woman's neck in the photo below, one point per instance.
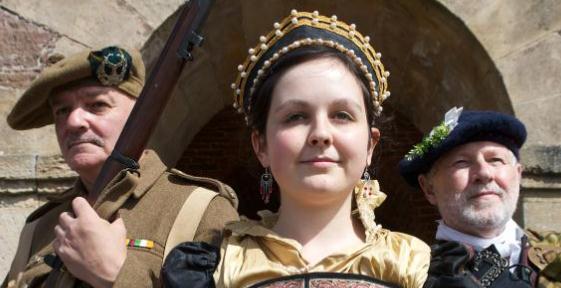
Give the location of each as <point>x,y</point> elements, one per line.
<point>321,230</point>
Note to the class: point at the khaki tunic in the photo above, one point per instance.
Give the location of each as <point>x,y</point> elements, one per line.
<point>545,254</point>
<point>148,201</point>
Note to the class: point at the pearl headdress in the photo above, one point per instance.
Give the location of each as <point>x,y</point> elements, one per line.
<point>302,29</point>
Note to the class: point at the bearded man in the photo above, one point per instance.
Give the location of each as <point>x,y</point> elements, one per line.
<point>468,167</point>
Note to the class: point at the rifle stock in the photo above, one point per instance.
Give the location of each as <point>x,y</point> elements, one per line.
<point>156,93</point>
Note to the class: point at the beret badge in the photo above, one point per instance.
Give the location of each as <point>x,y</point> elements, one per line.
<point>111,65</point>
<point>436,135</point>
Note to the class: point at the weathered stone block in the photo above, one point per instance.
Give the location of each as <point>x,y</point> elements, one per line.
<point>13,211</point>
<point>540,208</point>
<point>65,46</point>
<point>21,201</point>
<point>11,187</point>
<point>529,74</point>
<point>542,160</point>
<point>23,49</point>
<point>535,91</point>
<point>17,167</point>
<point>119,23</point>
<point>155,12</point>
<point>542,119</point>
<point>34,174</point>
<point>54,186</point>
<point>32,186</point>
<point>40,141</point>
<point>506,26</point>
<point>53,167</point>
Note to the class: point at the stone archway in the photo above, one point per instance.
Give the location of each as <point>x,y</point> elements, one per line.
<point>436,63</point>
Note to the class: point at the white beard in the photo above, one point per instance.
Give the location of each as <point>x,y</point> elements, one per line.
<point>481,215</point>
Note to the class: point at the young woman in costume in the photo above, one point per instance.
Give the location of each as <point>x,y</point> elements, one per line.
<point>311,91</point>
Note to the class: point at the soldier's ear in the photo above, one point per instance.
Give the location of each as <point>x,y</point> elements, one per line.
<point>427,188</point>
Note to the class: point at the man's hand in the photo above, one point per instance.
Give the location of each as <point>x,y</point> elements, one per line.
<point>92,249</point>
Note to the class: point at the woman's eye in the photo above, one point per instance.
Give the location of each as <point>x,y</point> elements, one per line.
<point>294,117</point>
<point>342,115</point>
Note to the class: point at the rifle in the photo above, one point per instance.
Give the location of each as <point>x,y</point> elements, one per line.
<point>156,93</point>
<point>149,106</point>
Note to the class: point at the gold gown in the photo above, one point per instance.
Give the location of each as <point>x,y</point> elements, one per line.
<point>252,253</point>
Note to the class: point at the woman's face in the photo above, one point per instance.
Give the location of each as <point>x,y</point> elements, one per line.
<point>317,139</point>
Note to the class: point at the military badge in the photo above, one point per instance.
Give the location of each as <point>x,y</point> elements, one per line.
<point>111,65</point>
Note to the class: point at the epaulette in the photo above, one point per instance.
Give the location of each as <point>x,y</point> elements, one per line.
<point>550,238</point>
<point>209,183</point>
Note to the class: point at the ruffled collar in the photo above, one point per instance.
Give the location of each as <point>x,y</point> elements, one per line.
<point>508,243</point>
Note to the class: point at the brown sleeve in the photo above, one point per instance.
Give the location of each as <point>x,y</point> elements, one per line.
<point>218,213</point>
<point>140,269</point>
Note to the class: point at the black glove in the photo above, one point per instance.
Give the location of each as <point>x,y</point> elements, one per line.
<point>191,264</point>
<point>448,266</point>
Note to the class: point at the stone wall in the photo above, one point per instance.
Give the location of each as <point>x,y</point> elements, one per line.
<point>523,38</point>
<point>495,54</point>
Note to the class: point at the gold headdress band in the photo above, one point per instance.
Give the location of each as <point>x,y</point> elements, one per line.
<point>307,29</point>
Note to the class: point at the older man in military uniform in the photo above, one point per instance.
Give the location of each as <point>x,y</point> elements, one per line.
<point>66,242</point>
<point>468,167</point>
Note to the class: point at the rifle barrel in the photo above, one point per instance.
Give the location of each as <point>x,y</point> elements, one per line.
<point>157,91</point>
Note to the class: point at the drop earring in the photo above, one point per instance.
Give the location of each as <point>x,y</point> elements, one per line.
<point>266,185</point>
<point>368,197</point>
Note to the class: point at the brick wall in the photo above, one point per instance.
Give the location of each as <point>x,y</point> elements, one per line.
<point>222,150</point>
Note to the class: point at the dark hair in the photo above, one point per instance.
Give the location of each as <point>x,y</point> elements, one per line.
<point>260,101</point>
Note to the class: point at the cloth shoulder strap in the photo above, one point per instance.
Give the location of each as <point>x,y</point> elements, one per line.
<point>188,219</point>
<point>24,250</point>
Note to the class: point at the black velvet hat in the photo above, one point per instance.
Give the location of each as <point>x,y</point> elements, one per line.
<point>461,127</point>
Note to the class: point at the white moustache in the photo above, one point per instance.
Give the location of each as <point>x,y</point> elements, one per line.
<point>477,189</point>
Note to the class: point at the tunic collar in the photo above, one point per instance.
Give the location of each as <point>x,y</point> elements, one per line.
<point>151,168</point>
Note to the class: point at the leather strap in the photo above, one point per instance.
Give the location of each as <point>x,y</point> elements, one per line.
<point>188,219</point>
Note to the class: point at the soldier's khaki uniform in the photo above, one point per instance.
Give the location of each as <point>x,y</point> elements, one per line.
<point>148,201</point>
<point>545,254</point>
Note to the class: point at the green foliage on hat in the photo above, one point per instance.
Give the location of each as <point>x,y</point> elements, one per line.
<point>435,137</point>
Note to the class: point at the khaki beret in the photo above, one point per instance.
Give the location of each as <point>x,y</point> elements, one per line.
<point>111,66</point>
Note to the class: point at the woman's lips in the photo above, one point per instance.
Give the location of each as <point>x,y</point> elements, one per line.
<point>320,162</point>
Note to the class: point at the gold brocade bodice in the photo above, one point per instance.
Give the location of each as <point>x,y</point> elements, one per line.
<point>251,252</point>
